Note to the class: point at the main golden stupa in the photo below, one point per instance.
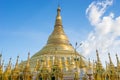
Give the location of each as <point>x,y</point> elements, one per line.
<point>58,60</point>
<point>57,45</point>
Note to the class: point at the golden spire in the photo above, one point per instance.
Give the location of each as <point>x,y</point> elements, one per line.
<point>110,58</point>
<point>98,59</point>
<point>16,65</point>
<point>58,36</point>
<point>98,63</point>
<point>27,67</point>
<point>58,18</point>
<point>106,65</point>
<point>15,71</point>
<point>118,63</point>
<point>28,61</point>
<point>94,66</point>
<point>8,69</point>
<point>111,65</point>
<point>9,64</point>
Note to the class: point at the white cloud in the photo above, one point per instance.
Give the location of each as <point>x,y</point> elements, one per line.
<point>106,34</point>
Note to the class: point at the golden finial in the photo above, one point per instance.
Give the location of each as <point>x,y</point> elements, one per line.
<point>110,58</point>
<point>58,17</point>
<point>98,62</point>
<point>8,69</point>
<point>106,65</point>
<point>94,66</point>
<point>117,59</point>
<point>28,60</point>
<point>16,65</point>
<point>27,67</point>
<point>9,64</point>
<point>98,59</point>
<point>58,11</point>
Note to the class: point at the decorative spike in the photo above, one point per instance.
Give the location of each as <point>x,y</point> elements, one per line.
<point>94,66</point>
<point>117,60</point>
<point>27,69</point>
<point>110,58</point>
<point>106,65</point>
<point>28,59</point>
<point>9,64</point>
<point>58,18</point>
<point>76,44</point>
<point>8,69</point>
<point>16,65</point>
<point>98,59</point>
<point>2,62</point>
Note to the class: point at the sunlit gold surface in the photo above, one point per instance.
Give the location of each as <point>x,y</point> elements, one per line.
<point>60,60</point>
<point>57,39</point>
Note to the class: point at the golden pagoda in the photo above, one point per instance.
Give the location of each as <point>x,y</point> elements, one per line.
<point>57,40</point>
<point>99,68</point>
<point>59,60</point>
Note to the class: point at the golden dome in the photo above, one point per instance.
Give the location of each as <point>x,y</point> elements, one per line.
<point>57,39</point>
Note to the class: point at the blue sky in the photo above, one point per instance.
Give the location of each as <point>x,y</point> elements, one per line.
<point>26,24</point>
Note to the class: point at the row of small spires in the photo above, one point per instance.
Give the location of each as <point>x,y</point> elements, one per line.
<point>96,67</point>
<point>98,59</point>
